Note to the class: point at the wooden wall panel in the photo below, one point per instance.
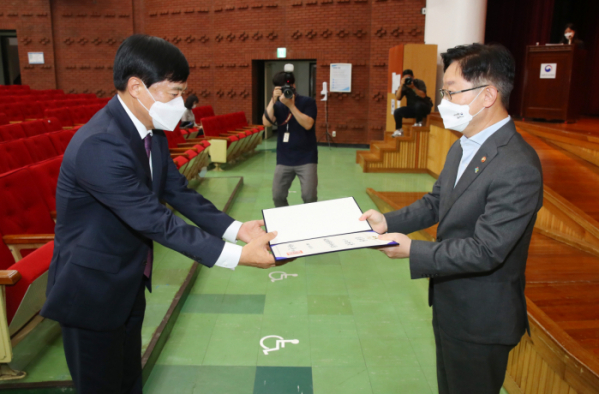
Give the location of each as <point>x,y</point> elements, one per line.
<point>422,59</point>
<point>440,140</point>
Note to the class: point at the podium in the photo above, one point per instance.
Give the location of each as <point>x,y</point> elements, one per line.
<point>553,82</point>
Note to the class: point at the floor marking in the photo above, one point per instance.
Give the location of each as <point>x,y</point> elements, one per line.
<point>280,343</point>
<point>284,275</point>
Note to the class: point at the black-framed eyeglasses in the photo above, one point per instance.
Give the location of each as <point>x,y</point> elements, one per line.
<point>449,93</point>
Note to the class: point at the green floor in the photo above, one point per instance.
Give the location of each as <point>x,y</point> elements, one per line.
<point>362,325</point>
<point>357,322</point>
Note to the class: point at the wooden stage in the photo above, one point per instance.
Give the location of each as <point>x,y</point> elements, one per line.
<point>562,274</point>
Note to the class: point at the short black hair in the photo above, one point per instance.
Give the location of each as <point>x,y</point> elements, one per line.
<point>281,78</point>
<point>570,26</point>
<point>481,64</point>
<point>150,59</point>
<point>191,100</point>
<point>407,72</point>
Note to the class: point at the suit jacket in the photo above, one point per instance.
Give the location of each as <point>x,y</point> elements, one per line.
<point>108,212</point>
<point>476,267</point>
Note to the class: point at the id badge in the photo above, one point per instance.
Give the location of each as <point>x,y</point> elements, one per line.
<point>286,137</point>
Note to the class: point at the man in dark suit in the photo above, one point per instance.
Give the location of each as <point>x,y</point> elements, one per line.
<point>115,174</point>
<point>486,202</point>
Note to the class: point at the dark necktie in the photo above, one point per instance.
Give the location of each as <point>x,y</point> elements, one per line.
<point>150,259</point>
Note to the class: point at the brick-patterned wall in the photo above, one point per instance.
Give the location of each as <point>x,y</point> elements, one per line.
<point>32,21</point>
<point>220,40</point>
<point>86,36</point>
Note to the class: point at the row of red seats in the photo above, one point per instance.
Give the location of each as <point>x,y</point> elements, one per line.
<point>19,112</point>
<point>241,137</point>
<point>14,131</point>
<point>29,205</point>
<point>26,215</point>
<point>25,151</point>
<point>12,88</point>
<point>190,155</point>
<point>7,99</point>
<point>73,116</point>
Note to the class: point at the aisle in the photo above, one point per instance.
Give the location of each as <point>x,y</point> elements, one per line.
<point>361,324</point>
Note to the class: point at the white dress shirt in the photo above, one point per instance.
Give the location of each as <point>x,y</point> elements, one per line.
<point>231,254</point>
<point>471,145</point>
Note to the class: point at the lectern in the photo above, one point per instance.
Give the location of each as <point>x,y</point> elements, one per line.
<point>553,78</point>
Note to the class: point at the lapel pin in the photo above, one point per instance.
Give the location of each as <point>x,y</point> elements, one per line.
<point>476,170</point>
<point>483,159</point>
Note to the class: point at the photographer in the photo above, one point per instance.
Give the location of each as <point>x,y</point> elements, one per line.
<point>295,118</point>
<point>418,106</point>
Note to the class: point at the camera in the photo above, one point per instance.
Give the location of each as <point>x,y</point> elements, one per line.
<point>287,89</point>
<point>408,81</point>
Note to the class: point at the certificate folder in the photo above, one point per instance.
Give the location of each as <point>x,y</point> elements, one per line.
<point>319,227</point>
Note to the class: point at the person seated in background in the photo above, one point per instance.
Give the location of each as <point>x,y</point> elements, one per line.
<point>418,103</point>
<point>570,37</point>
<point>189,120</point>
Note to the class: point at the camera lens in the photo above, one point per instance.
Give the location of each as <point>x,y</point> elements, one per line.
<point>288,93</point>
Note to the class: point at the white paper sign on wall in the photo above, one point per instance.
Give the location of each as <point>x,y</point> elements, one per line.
<point>341,77</point>
<point>35,57</point>
<point>548,70</point>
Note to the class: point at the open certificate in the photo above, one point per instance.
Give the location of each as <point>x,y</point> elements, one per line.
<point>319,227</point>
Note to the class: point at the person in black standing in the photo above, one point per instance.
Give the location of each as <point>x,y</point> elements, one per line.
<point>297,153</point>
<point>418,104</point>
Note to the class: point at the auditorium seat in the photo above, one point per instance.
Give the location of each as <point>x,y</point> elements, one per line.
<point>25,220</point>
<point>181,162</point>
<point>13,112</point>
<point>50,104</point>
<point>45,176</point>
<point>32,110</point>
<point>201,112</point>
<point>52,124</point>
<point>11,132</point>
<point>16,154</point>
<point>23,293</point>
<point>34,127</point>
<point>30,268</point>
<point>61,139</point>
<point>40,147</point>
<point>3,118</point>
<point>63,114</point>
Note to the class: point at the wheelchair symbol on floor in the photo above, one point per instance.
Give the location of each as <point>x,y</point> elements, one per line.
<point>280,343</point>
<point>284,275</point>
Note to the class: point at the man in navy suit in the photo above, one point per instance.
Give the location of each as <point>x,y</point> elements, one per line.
<point>115,174</point>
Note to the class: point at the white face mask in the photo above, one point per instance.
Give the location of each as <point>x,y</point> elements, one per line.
<point>569,35</point>
<point>455,116</point>
<point>165,116</point>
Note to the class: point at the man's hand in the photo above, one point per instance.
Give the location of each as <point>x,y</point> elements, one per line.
<point>400,251</point>
<point>250,231</point>
<point>289,103</point>
<point>376,219</point>
<point>276,93</point>
<point>255,253</point>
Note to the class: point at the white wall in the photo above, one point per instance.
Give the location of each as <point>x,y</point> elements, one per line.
<point>449,23</point>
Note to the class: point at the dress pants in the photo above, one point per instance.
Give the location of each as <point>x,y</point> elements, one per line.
<point>419,111</point>
<point>284,176</point>
<point>107,362</point>
<point>469,368</point>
